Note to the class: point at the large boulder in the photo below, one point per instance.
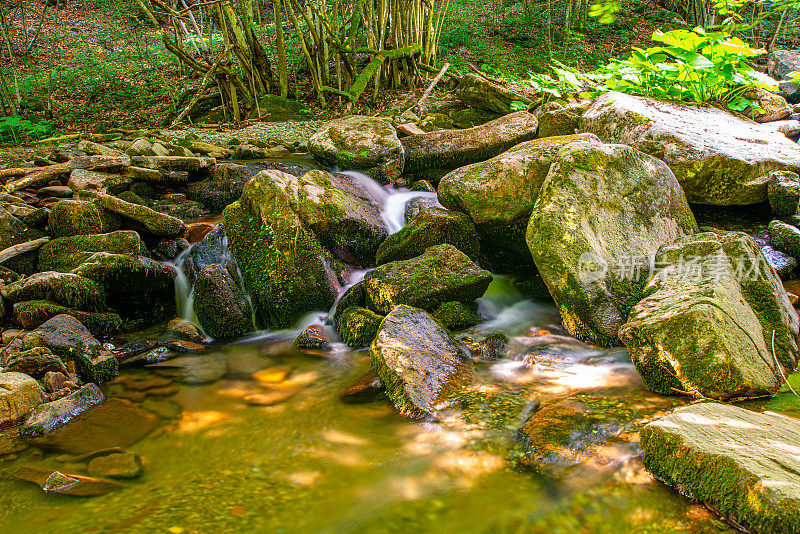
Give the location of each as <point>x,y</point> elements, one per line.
<point>418,361</point>
<point>718,158</point>
<point>52,415</point>
<point>783,192</point>
<point>498,195</point>
<point>140,218</point>
<point>741,463</point>
<point>366,144</point>
<point>34,362</point>
<point>139,289</point>
<point>449,149</point>
<point>782,63</point>
<point>495,96</point>
<point>19,394</point>
<point>442,274</point>
<point>68,339</point>
<point>431,227</point>
<point>31,313</point>
<point>285,268</point>
<point>220,305</point>
<point>63,288</point>
<point>715,321</point>
<point>223,187</point>
<point>74,217</point>
<point>602,212</point>
<point>337,210</point>
<point>67,253</point>
<point>13,232</point>
<point>212,249</point>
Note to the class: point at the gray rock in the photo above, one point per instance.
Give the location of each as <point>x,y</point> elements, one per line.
<point>220,305</point>
<point>739,462</point>
<point>51,415</point>
<point>715,321</point>
<point>418,361</point>
<point>781,63</point>
<point>730,167</point>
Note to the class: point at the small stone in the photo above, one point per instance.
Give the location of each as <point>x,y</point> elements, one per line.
<point>116,465</point>
<point>273,375</point>
<point>270,398</point>
<point>313,338</point>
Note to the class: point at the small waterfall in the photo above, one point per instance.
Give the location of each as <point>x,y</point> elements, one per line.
<point>184,292</point>
<point>393,212</point>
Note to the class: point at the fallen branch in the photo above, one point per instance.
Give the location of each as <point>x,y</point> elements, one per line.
<point>59,138</point>
<point>452,73</point>
<point>429,90</point>
<point>40,174</point>
<point>17,250</point>
<point>207,77</point>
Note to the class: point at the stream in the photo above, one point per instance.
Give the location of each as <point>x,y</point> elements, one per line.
<point>312,463</point>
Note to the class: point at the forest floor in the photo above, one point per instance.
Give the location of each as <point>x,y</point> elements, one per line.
<point>98,61</point>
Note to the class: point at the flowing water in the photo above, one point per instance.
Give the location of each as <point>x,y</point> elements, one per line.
<point>313,463</point>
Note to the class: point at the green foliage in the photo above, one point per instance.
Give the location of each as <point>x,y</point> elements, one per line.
<point>15,129</point>
<point>605,12</point>
<point>697,66</point>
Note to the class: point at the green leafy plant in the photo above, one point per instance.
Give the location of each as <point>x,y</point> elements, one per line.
<point>16,129</point>
<point>692,65</point>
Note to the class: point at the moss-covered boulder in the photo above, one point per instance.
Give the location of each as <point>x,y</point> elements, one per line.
<point>449,149</point>
<point>431,227</point>
<point>220,305</point>
<point>738,462</point>
<point>85,180</point>
<point>180,208</point>
<point>33,362</point>
<point>718,158</point>
<point>66,253</point>
<point>715,321</point>
<point>358,326</point>
<point>140,218</point>
<point>137,288</point>
<point>31,313</point>
<point>491,95</point>
<point>498,195</point>
<point>337,210</point>
<point>783,193</point>
<point>442,274</point>
<point>13,232</point>
<point>67,338</point>
<point>74,217</point>
<point>212,249</point>
<point>785,237</point>
<point>602,211</point>
<point>456,315</point>
<point>366,144</point>
<point>556,119</point>
<point>418,361</point>
<point>286,270</point>
<point>62,288</point>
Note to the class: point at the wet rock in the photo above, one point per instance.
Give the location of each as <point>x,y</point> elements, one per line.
<point>197,231</point>
<point>57,482</point>
<point>485,346</point>
<point>169,249</point>
<point>222,188</point>
<point>51,415</point>
<point>442,274</point>
<point>140,290</point>
<point>74,217</point>
<point>366,144</point>
<point>418,205</point>
<point>339,212</point>
<point>729,168</point>
<point>54,381</point>
<point>19,394</point>
<point>113,423</point>
<point>456,316</point>
<point>286,270</point>
<point>313,338</point>
<point>449,149</point>
<point>67,338</point>
<point>67,253</point>
<point>141,218</point>
<point>31,313</point>
<point>783,192</point>
<point>270,398</point>
<point>115,465</point>
<point>33,362</point>
<point>418,361</point>
<point>785,238</point>
<point>358,326</point>
<point>183,329</point>
<point>491,95</point>
<point>498,196</point>
<point>600,207</point>
<point>212,249</point>
<point>180,208</point>
<point>85,180</point>
<point>736,461</point>
<point>220,305</point>
<point>564,430</point>
<point>783,264</point>
<point>434,226</point>
<point>711,333</point>
<point>62,288</point>
<point>367,388</point>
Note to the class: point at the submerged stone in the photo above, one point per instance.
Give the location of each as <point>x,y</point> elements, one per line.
<point>115,465</point>
<point>51,415</point>
<point>418,361</point>
<point>739,462</point>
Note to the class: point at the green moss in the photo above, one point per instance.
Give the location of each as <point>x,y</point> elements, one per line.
<point>32,313</point>
<point>456,315</point>
<point>66,253</point>
<point>357,326</point>
<point>71,217</point>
